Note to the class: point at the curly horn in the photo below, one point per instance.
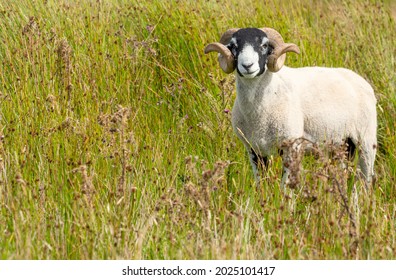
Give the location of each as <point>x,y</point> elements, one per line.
<point>278,56</point>
<point>226,59</point>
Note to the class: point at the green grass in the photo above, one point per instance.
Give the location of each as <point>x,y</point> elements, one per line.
<point>115,141</point>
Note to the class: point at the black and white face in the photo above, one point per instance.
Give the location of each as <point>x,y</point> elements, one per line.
<point>250,47</point>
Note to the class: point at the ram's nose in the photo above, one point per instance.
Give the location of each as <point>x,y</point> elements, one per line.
<point>247,66</point>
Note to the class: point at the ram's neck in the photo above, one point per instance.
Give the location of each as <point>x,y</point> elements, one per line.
<point>253,90</point>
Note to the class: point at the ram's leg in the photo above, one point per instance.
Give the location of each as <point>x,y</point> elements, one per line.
<point>259,164</point>
<point>366,162</point>
<point>291,160</point>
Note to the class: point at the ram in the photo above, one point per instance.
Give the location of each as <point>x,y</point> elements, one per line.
<point>276,104</point>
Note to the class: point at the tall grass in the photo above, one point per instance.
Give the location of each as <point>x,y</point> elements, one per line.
<point>116,142</point>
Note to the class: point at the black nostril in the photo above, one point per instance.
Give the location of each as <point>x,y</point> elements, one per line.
<point>247,66</point>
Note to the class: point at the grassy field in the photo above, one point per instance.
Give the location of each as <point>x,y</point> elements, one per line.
<point>116,141</point>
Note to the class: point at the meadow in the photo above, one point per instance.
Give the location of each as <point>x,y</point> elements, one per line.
<point>116,140</point>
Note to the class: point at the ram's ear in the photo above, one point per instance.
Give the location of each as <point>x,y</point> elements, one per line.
<point>270,49</point>
<point>226,59</point>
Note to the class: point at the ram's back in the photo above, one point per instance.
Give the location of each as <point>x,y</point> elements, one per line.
<point>337,103</point>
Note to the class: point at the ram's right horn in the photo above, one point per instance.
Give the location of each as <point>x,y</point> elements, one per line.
<point>226,59</point>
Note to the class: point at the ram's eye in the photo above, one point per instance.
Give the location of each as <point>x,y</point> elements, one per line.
<point>232,47</point>
<point>264,46</point>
